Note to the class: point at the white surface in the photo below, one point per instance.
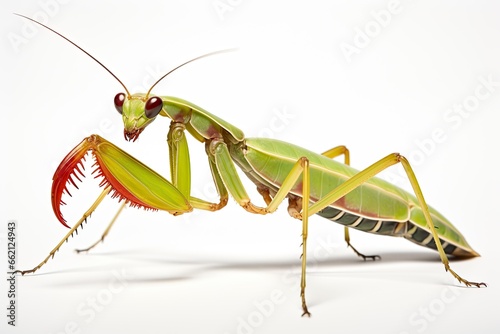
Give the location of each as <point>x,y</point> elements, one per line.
<point>207,273</point>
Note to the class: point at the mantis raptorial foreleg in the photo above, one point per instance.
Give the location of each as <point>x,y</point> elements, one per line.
<point>180,169</point>
<point>332,154</point>
<point>120,172</point>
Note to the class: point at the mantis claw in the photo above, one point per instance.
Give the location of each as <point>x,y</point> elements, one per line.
<point>130,180</point>
<point>463,280</point>
<point>304,305</point>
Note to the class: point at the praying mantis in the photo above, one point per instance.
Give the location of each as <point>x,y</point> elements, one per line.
<point>312,183</point>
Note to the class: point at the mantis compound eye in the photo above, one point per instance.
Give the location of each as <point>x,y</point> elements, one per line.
<point>153,107</point>
<point>119,100</point>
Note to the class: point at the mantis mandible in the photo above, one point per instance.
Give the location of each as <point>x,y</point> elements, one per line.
<point>313,183</point>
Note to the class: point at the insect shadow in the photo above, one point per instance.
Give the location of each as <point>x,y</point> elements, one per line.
<point>192,267</point>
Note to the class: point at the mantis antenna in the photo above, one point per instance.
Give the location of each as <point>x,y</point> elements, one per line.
<point>88,54</point>
<point>109,71</point>
<point>189,61</point>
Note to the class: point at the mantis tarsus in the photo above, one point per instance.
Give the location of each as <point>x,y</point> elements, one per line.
<point>313,183</point>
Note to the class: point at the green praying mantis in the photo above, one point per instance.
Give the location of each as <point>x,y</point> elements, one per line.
<point>313,183</point>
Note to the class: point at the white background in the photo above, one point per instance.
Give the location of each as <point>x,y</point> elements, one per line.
<point>230,271</point>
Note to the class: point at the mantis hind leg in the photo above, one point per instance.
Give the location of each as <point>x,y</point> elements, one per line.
<point>332,154</point>
<point>370,172</point>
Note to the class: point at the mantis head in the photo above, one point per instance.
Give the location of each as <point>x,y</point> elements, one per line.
<point>137,110</point>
